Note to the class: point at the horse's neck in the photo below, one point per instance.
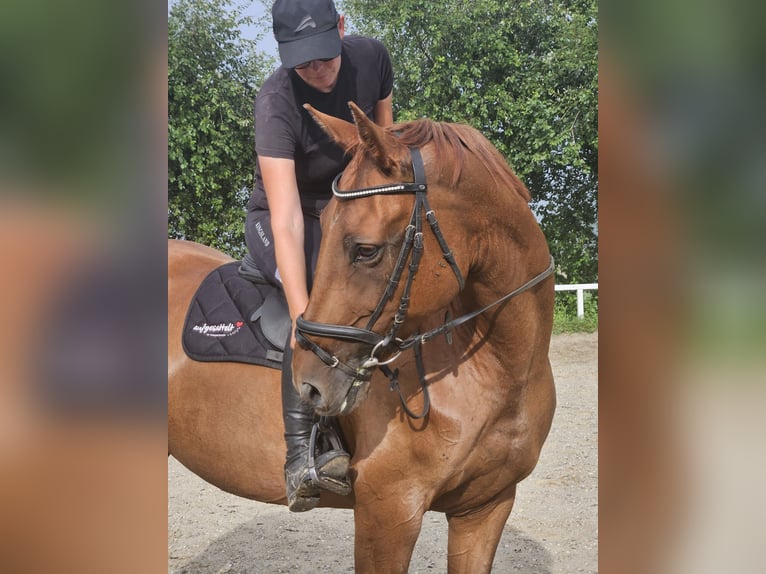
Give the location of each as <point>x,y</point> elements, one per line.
<point>511,323</point>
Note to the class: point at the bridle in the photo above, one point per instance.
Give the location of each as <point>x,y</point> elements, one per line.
<point>412,250</point>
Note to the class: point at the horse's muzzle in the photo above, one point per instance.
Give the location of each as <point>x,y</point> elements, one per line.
<point>335,398</point>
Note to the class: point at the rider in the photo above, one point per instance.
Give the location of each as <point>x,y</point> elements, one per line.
<point>296,163</point>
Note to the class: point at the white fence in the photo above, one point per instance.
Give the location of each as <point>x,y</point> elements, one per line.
<point>580,288</point>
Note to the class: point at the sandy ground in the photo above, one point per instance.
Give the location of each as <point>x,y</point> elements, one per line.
<point>553,528</point>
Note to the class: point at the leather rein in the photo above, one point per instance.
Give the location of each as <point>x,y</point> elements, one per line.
<point>412,250</point>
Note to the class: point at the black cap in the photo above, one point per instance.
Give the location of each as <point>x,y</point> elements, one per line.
<point>305,30</point>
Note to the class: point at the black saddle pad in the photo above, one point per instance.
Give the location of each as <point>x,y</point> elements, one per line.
<point>218,324</point>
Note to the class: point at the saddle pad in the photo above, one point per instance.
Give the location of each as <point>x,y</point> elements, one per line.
<point>218,325</point>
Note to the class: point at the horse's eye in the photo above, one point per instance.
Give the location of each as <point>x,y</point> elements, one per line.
<point>365,253</point>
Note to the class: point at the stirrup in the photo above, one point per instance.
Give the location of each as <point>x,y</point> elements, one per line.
<point>303,491</point>
<point>332,464</point>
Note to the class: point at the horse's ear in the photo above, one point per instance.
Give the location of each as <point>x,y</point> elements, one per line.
<point>379,142</point>
<point>342,132</point>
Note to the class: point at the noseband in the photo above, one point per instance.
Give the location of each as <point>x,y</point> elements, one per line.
<point>412,249</point>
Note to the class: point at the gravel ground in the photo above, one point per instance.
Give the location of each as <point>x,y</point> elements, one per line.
<point>553,528</point>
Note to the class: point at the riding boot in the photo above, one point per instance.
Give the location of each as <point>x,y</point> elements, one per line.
<point>330,466</point>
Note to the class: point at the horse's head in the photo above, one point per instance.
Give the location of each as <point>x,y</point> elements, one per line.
<point>392,257</point>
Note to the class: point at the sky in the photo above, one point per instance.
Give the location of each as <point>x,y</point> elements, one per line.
<point>257,10</point>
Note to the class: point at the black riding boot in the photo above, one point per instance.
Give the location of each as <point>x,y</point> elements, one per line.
<point>331,466</point>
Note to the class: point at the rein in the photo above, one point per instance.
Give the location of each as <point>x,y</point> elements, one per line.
<point>412,249</point>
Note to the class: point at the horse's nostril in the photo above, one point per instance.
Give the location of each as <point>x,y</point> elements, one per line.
<point>310,394</point>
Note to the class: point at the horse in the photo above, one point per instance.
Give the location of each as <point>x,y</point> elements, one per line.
<point>455,316</point>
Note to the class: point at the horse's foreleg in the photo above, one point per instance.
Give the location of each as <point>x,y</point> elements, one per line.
<point>385,534</point>
<point>473,537</point>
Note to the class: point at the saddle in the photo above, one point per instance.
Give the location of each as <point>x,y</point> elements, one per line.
<point>274,315</point>
<point>237,315</point>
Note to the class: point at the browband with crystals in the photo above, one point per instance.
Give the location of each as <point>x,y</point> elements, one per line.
<point>408,187</point>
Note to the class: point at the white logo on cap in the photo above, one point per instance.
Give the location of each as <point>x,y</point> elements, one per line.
<point>307,22</point>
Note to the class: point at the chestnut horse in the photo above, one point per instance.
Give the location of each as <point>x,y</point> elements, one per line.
<point>433,279</point>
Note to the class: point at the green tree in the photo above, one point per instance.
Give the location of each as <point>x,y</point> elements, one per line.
<point>213,74</point>
<point>525,74</point>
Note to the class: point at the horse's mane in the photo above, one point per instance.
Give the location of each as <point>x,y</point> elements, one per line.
<point>452,142</point>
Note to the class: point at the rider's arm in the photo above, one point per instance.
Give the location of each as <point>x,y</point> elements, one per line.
<point>384,113</point>
<point>287,225</point>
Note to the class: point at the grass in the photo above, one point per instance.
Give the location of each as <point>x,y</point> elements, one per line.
<point>565,319</point>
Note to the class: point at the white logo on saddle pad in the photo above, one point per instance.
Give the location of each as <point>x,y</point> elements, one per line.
<point>219,329</point>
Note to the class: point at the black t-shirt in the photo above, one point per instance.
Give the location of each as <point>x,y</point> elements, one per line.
<point>284,129</point>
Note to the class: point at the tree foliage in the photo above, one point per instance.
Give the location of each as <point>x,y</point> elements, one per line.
<point>524,74</point>
<point>213,74</point>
